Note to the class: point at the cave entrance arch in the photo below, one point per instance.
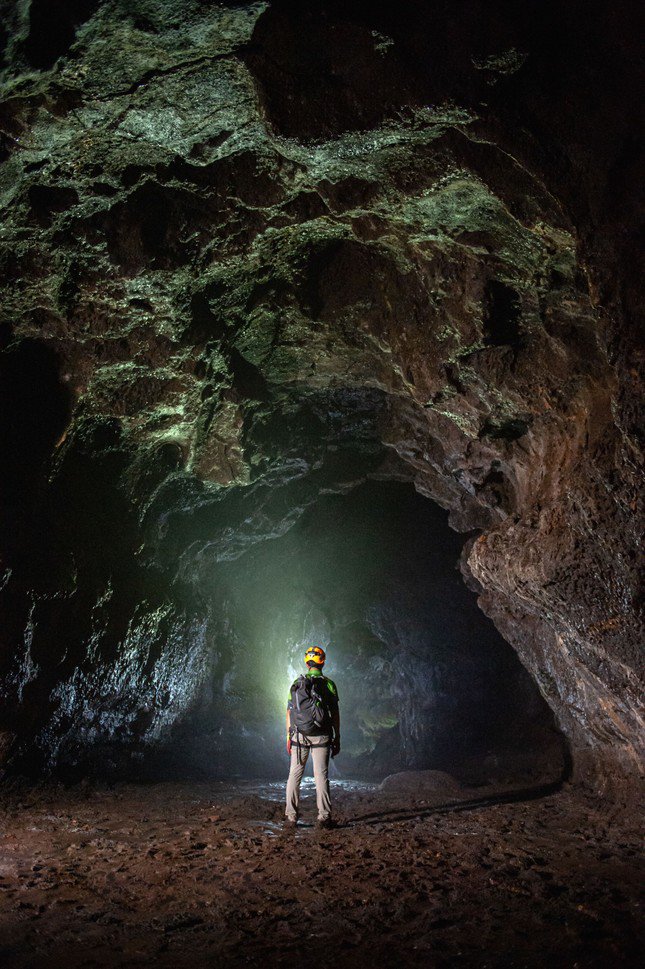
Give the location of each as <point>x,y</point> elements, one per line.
<point>426,681</point>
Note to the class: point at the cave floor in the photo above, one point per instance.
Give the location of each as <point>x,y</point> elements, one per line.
<point>202,874</point>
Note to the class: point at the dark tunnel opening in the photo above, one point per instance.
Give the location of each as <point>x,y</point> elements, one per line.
<point>35,407</point>
<point>426,681</point>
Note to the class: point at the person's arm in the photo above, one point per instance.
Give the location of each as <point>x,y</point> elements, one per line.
<point>289,731</point>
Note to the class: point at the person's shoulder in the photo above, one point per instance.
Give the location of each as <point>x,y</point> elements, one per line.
<point>331,686</point>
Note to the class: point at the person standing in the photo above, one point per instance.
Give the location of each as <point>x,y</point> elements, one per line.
<point>313,725</point>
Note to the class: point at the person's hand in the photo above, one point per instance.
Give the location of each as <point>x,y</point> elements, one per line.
<point>289,746</point>
<point>335,746</point>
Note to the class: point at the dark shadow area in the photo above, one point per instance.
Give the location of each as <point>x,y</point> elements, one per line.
<point>34,411</point>
<point>392,815</point>
<point>502,309</point>
<point>52,29</point>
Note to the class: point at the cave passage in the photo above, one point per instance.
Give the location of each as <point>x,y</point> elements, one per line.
<point>425,679</point>
<point>318,325</point>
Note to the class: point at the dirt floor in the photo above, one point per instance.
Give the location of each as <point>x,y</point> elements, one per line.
<point>175,875</point>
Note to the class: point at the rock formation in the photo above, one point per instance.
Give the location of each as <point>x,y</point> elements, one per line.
<point>257,254</point>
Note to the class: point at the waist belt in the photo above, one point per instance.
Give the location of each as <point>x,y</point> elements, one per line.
<point>301,739</point>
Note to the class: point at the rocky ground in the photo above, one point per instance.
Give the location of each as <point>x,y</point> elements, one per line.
<point>197,874</point>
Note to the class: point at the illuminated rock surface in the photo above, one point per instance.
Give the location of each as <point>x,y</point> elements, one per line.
<point>255,255</point>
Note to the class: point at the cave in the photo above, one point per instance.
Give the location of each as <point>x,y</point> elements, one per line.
<point>372,575</point>
<point>319,326</point>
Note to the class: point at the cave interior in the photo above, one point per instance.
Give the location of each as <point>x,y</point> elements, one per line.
<point>319,326</point>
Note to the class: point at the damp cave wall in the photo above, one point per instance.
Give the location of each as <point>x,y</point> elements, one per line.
<point>253,253</point>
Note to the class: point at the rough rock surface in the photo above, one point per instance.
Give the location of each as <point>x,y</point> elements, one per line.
<point>259,252</point>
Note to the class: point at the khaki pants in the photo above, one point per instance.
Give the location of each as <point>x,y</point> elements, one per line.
<point>319,747</point>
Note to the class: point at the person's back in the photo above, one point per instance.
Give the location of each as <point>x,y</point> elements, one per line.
<point>313,725</point>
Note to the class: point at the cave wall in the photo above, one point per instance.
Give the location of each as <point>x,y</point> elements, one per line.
<point>256,252</point>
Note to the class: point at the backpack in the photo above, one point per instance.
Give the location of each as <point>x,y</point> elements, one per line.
<point>309,713</point>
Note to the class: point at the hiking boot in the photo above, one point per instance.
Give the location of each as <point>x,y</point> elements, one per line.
<point>289,824</point>
<point>325,824</point>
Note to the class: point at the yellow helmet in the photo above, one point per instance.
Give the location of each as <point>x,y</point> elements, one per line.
<point>315,655</point>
